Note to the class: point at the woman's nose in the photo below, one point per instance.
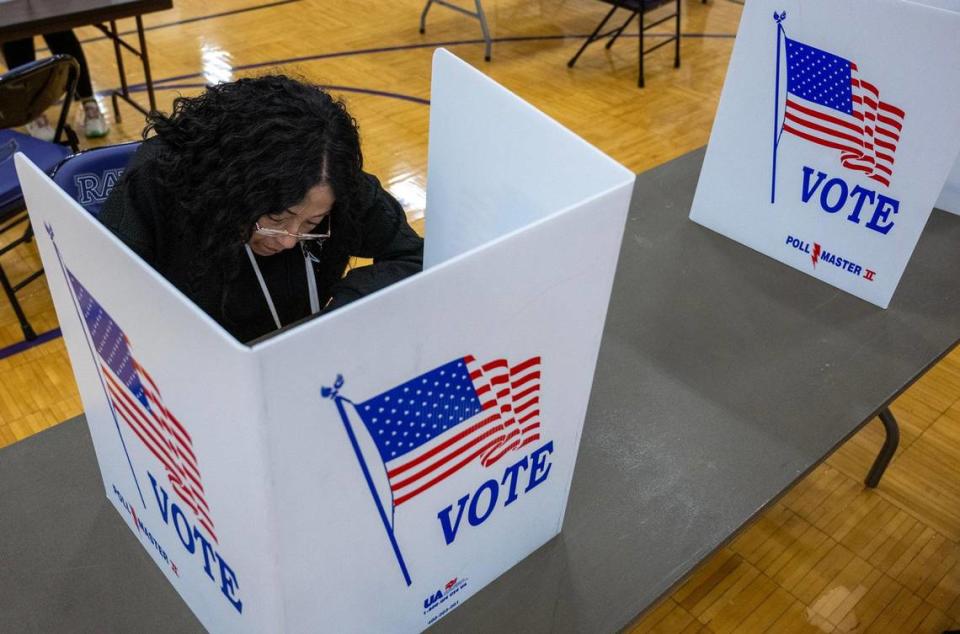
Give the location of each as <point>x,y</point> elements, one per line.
<point>288,242</point>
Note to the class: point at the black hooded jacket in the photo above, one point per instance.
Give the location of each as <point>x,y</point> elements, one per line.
<point>139,212</point>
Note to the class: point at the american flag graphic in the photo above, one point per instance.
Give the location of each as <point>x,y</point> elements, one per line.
<point>463,412</point>
<point>136,399</point>
<point>830,105</point>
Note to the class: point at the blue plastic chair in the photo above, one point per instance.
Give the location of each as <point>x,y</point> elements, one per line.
<point>25,93</point>
<point>90,176</point>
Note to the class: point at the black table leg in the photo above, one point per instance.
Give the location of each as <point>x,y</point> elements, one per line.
<point>148,78</point>
<point>887,450</point>
<point>113,33</point>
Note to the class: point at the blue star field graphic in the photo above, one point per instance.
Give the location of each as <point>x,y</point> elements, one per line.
<point>819,76</point>
<point>414,412</point>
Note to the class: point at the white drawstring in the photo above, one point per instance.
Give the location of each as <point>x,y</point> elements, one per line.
<point>311,285</point>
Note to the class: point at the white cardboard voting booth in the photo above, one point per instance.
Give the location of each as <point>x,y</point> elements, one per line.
<point>831,143</point>
<point>949,199</point>
<point>371,469</point>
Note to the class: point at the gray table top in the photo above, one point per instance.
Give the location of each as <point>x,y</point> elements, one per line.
<point>23,18</point>
<point>723,377</point>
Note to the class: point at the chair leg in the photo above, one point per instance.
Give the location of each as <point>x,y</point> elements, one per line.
<point>25,326</point>
<point>676,45</point>
<point>593,38</point>
<point>485,29</point>
<point>616,34</point>
<point>18,220</point>
<point>643,10</point>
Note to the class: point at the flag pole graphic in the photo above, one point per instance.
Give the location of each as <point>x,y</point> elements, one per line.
<point>86,337</point>
<point>778,18</point>
<point>334,395</point>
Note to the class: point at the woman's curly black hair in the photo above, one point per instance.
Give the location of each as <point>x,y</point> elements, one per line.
<point>252,147</point>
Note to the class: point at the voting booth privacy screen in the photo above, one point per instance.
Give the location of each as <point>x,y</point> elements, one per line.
<point>949,199</point>
<point>371,469</point>
<point>830,145</point>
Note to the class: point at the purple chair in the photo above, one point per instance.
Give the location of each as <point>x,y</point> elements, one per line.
<point>90,176</point>
<point>25,93</point>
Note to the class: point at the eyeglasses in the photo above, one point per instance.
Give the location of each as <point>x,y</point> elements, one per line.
<point>283,233</point>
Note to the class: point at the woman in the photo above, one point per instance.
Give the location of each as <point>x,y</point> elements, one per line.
<point>251,199</point>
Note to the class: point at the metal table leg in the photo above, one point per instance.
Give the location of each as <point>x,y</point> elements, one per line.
<point>423,17</point>
<point>889,448</point>
<point>113,33</point>
<point>147,77</point>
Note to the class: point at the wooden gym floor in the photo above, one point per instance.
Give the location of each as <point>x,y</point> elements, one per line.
<point>828,557</point>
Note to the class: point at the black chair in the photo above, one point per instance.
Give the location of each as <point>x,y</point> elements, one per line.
<point>637,8</point>
<point>25,93</point>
